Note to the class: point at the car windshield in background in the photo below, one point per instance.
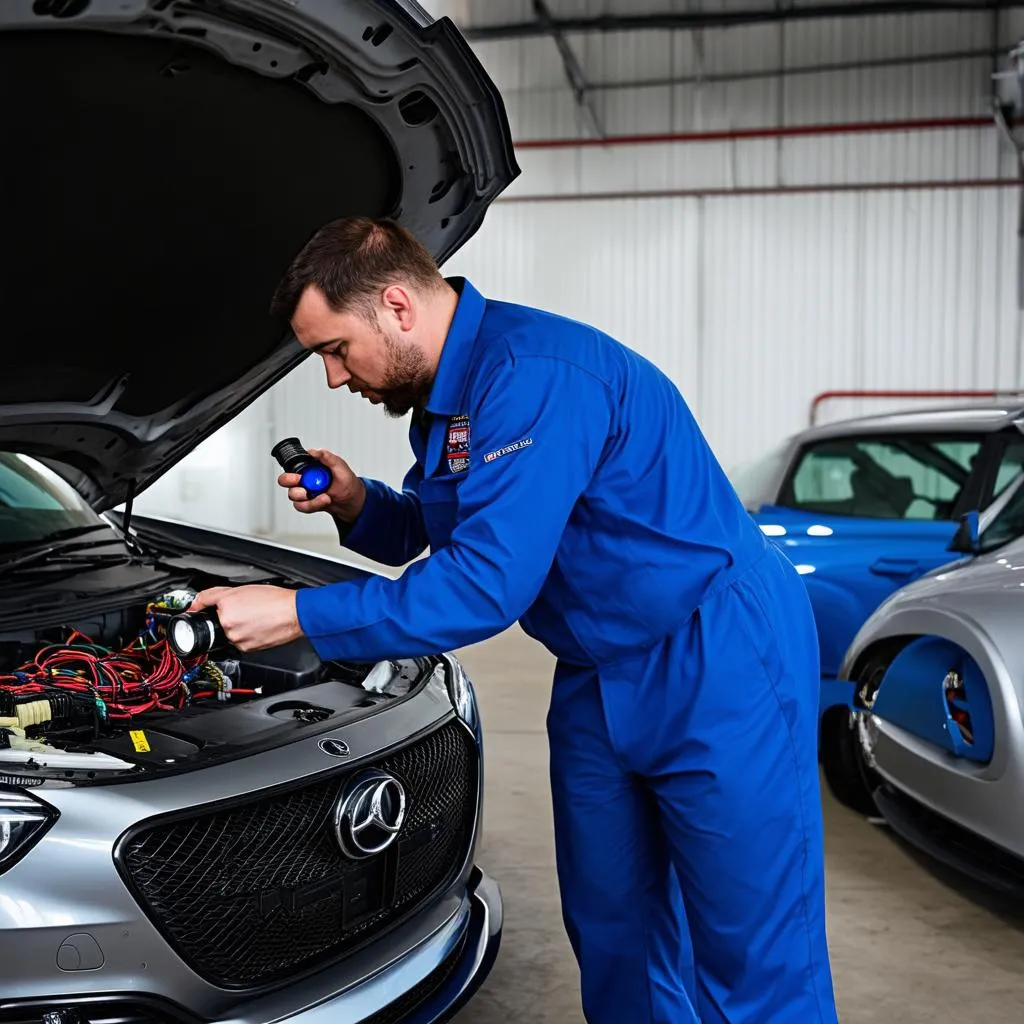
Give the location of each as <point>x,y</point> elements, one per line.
<point>916,476</point>
<point>36,504</point>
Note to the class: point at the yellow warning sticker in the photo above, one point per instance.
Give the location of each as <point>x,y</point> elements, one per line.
<point>139,741</point>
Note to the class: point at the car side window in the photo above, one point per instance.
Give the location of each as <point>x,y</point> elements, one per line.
<point>911,477</point>
<point>1011,465</point>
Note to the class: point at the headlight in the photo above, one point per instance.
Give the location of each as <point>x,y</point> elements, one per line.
<point>23,821</point>
<point>460,691</point>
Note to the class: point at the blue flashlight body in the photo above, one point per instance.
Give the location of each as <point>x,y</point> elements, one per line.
<point>314,477</point>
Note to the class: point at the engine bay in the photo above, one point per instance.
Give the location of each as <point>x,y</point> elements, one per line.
<point>111,692</point>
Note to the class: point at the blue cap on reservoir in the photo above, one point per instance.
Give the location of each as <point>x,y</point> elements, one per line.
<point>314,476</point>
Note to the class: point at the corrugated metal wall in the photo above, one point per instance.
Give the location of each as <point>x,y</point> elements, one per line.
<point>755,271</point>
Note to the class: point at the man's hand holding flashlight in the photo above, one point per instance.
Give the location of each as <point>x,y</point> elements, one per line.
<point>343,499</point>
<point>254,617</point>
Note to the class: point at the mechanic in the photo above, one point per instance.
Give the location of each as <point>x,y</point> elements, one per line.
<point>560,480</point>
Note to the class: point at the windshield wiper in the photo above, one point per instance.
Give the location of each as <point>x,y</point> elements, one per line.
<point>56,558</point>
<point>60,536</point>
<point>78,553</point>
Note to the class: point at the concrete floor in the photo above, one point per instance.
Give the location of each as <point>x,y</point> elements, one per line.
<point>909,943</point>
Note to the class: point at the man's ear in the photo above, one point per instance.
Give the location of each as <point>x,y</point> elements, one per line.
<point>399,305</point>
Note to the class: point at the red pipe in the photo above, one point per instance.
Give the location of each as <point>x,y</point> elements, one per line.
<point>825,396</point>
<point>766,190</point>
<point>777,132</point>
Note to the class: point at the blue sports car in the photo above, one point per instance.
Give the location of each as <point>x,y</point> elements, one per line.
<point>865,506</point>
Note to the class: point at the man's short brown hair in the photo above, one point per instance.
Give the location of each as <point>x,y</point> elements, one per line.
<point>351,261</point>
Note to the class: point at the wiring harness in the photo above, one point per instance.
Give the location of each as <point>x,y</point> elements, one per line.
<point>80,683</point>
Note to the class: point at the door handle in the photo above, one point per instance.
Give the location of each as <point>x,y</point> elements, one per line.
<point>895,567</point>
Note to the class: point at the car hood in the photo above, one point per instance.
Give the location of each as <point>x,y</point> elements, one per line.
<point>165,161</point>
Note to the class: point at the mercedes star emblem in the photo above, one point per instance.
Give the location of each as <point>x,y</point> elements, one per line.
<point>369,814</point>
<point>336,748</point>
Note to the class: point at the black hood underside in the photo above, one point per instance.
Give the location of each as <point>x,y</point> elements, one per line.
<point>160,193</point>
<point>160,173</point>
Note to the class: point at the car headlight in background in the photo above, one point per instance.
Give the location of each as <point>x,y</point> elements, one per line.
<point>23,821</point>
<point>460,691</point>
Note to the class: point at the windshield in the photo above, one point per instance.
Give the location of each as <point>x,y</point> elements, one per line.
<point>1006,525</point>
<point>916,476</point>
<point>36,504</point>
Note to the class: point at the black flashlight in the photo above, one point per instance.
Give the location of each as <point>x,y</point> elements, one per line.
<point>193,633</point>
<point>314,476</point>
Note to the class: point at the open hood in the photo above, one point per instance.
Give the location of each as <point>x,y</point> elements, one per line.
<point>164,160</point>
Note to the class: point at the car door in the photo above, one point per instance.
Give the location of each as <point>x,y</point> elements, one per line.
<point>862,516</point>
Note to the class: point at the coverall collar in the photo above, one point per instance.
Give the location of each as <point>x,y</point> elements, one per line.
<point>447,396</point>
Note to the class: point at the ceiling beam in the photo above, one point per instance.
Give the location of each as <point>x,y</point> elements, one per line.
<point>574,73</point>
<point>723,18</point>
<point>794,70</point>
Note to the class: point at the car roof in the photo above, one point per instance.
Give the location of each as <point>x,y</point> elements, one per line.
<point>974,418</point>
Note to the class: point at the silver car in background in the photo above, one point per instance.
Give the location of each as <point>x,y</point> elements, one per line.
<point>935,740</point>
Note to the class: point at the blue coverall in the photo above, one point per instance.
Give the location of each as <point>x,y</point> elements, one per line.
<point>560,480</point>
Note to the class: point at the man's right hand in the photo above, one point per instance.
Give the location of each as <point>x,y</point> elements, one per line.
<point>343,499</point>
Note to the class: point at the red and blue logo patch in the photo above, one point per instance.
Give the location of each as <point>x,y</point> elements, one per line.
<point>456,447</point>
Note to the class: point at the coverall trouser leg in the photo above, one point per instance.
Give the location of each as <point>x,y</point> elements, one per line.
<point>700,755</point>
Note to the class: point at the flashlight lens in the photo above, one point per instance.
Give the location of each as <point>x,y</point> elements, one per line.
<point>184,635</point>
<point>315,480</point>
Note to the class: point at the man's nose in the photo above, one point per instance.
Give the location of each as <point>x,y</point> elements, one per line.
<point>337,375</point>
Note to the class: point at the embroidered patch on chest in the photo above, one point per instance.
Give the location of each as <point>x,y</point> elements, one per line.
<point>456,446</point>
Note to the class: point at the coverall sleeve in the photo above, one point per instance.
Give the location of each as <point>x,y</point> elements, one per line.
<point>537,435</point>
<point>389,528</point>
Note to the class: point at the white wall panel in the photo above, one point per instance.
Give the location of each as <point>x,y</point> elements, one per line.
<point>781,314</point>
<point>223,482</point>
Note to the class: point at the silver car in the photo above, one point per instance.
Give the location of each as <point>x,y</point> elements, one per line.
<point>935,739</point>
<point>208,835</point>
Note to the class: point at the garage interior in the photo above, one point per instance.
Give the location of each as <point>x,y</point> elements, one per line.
<point>797,210</point>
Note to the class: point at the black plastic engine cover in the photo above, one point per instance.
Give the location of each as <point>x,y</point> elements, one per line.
<point>281,668</point>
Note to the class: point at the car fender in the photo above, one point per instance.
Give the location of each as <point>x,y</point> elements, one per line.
<point>891,622</point>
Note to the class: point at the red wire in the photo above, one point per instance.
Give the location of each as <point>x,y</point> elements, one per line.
<point>130,681</point>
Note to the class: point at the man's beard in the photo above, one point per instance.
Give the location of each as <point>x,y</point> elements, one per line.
<point>407,382</point>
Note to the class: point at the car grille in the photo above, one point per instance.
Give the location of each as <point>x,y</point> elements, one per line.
<point>254,892</point>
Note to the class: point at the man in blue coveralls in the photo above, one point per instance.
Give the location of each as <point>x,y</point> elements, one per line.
<point>561,481</point>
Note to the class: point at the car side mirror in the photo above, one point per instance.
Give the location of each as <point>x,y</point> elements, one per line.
<point>968,534</point>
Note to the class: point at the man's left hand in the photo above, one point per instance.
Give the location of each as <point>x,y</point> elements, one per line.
<point>253,618</point>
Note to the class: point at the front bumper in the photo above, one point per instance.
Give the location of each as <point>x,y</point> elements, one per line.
<point>428,985</point>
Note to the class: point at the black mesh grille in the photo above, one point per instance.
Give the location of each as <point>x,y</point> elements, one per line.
<point>252,893</point>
